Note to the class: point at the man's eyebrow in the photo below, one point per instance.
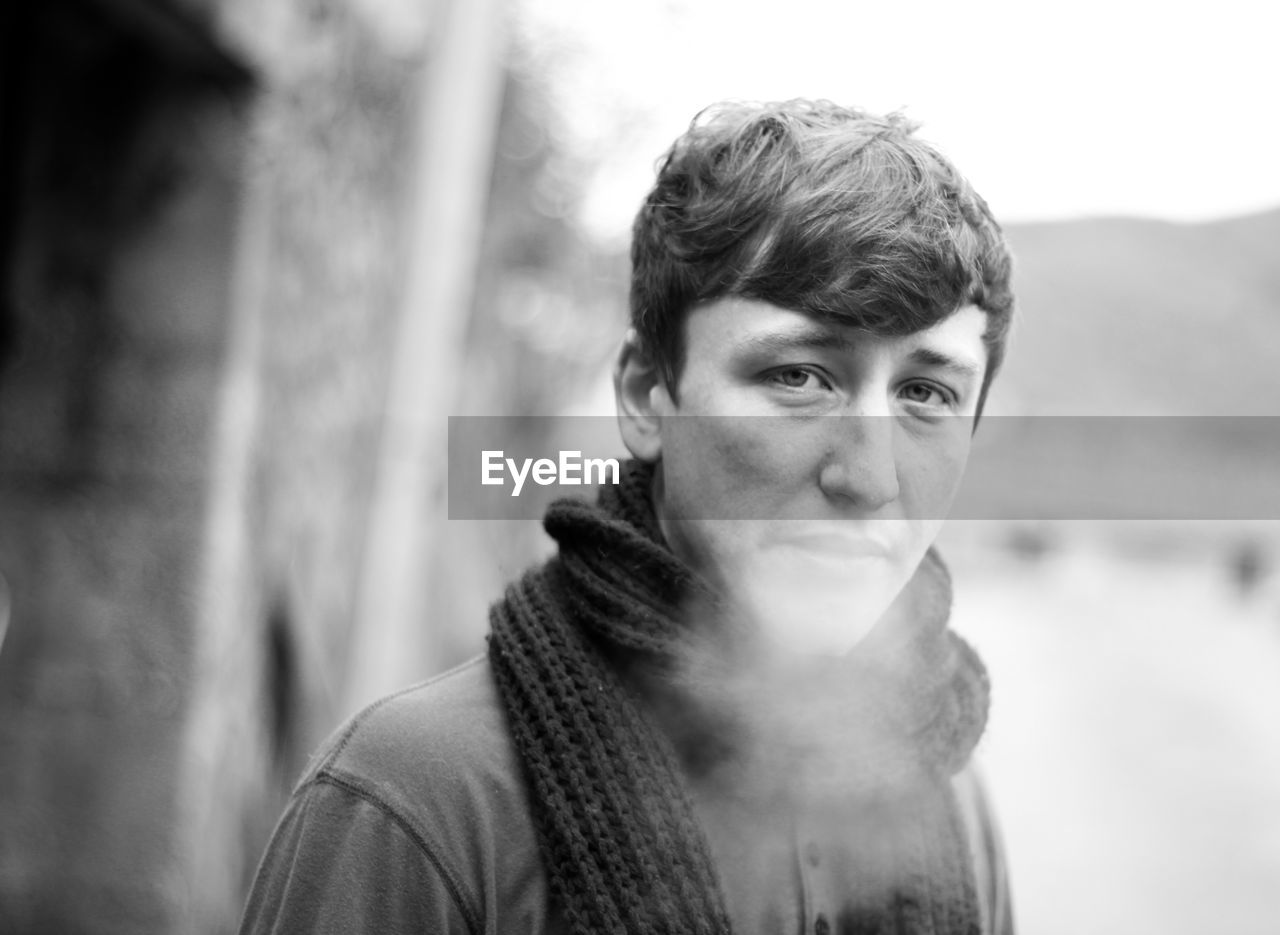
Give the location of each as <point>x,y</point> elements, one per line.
<point>817,336</point>
<point>928,357</point>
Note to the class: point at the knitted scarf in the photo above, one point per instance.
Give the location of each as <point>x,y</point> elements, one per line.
<point>623,848</point>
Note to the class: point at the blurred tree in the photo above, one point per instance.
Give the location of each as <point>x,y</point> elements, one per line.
<point>550,302</point>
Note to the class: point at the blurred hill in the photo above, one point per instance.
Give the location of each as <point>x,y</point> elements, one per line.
<point>1126,317</point>
<point>1141,317</point>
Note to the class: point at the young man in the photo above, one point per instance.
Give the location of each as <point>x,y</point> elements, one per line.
<point>731,703</point>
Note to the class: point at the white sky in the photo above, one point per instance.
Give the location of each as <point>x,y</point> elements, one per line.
<point>1093,107</point>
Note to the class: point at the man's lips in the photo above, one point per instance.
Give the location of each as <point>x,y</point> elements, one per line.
<point>836,545</point>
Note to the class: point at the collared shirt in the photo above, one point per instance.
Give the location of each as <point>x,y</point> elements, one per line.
<point>414,817</point>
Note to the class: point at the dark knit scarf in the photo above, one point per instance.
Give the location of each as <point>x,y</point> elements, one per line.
<point>623,848</point>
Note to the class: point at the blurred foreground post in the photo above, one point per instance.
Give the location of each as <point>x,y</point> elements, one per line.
<point>228,228</point>
<point>457,125</point>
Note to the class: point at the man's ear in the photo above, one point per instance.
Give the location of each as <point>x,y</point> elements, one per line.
<point>642,399</point>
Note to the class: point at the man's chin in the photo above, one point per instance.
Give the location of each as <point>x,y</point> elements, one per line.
<point>813,621</point>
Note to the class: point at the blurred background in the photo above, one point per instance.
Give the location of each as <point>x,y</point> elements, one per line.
<point>254,254</point>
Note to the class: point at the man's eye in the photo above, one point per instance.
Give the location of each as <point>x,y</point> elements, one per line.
<point>925,394</point>
<point>797,378</point>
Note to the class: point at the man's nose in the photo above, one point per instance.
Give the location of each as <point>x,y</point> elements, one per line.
<point>860,467</point>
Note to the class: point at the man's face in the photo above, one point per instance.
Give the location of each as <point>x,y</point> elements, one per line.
<point>807,467</point>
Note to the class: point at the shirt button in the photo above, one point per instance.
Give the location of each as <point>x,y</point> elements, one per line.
<point>821,926</point>
<point>813,854</point>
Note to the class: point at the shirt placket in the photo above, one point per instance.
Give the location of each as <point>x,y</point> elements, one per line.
<point>817,882</point>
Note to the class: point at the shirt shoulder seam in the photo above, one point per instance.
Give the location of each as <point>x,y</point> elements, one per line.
<point>360,718</point>
<point>451,882</point>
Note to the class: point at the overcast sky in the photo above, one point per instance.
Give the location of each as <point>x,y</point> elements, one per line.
<point>1064,110</point>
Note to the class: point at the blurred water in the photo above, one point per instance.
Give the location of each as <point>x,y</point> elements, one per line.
<point>1134,746</point>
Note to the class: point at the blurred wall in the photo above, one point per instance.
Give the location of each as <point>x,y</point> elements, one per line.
<point>221,223</point>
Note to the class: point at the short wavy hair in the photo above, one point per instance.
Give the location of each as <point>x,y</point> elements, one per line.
<point>827,210</point>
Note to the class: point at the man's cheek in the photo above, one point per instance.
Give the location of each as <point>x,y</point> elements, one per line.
<point>932,472</point>
<point>762,462</point>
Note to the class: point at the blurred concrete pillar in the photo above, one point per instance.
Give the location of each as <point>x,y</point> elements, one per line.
<point>122,149</point>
